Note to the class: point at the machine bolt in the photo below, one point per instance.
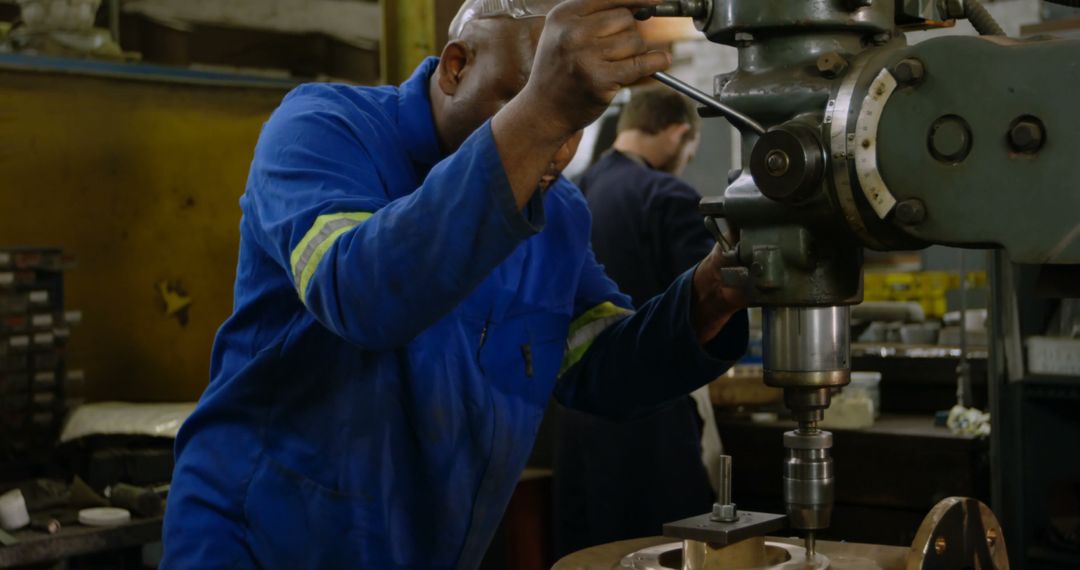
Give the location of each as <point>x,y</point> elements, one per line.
<point>881,39</point>
<point>950,139</point>
<point>1026,135</point>
<point>831,64</point>
<point>777,162</point>
<point>724,509</point>
<point>909,72</point>
<point>940,545</point>
<point>743,39</point>
<point>911,212</point>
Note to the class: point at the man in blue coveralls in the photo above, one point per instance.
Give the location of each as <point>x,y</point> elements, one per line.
<point>414,281</point>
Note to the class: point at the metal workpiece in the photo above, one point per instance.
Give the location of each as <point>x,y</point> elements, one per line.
<point>808,478</point>
<point>703,528</point>
<point>959,532</point>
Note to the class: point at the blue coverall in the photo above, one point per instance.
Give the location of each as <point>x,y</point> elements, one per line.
<point>399,325</point>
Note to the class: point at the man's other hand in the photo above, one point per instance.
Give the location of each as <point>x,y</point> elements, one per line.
<point>715,299</point>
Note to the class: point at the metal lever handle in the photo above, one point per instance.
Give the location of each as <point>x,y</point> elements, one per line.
<point>735,117</point>
<point>695,9</point>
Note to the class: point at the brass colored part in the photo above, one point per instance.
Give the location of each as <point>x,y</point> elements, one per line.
<point>959,532</point>
<point>831,555</point>
<point>808,379</point>
<point>749,553</point>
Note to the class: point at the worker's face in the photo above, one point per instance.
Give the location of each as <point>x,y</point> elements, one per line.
<point>683,144</point>
<point>686,153</point>
<point>484,70</point>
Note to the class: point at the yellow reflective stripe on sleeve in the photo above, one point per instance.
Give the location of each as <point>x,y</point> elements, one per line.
<point>316,242</point>
<point>585,329</point>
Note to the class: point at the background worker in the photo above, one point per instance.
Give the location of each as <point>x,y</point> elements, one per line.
<point>415,281</point>
<point>646,231</point>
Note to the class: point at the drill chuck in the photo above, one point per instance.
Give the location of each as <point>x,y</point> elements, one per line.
<point>808,478</point>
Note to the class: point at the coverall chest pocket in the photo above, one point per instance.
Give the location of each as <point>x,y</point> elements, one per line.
<point>292,522</point>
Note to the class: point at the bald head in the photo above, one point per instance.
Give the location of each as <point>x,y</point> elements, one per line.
<point>485,63</point>
<point>473,10</point>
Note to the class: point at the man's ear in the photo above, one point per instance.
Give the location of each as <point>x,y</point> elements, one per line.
<point>455,58</point>
<point>675,134</point>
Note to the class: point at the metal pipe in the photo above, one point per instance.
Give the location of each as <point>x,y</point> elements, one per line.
<point>734,116</point>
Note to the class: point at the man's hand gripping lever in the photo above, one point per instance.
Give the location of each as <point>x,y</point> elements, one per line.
<point>588,51</point>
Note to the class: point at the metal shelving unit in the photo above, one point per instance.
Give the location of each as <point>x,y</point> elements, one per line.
<point>1034,465</point>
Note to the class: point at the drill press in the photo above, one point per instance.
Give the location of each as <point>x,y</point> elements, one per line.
<point>853,139</point>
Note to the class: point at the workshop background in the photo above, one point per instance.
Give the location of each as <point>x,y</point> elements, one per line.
<point>126,131</point>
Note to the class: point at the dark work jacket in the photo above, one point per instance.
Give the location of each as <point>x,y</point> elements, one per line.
<point>646,227</point>
<point>620,480</point>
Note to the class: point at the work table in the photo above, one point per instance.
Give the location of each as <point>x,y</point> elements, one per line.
<point>34,547</point>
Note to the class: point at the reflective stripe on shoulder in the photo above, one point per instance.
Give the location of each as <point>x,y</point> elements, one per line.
<point>585,329</point>
<point>316,242</point>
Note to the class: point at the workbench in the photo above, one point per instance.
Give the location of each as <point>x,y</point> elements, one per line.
<point>36,547</point>
<point>887,476</point>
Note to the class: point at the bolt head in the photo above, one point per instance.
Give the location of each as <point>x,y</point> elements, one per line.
<point>909,72</point>
<point>777,162</point>
<point>831,65</point>
<point>940,545</point>
<point>911,212</point>
<point>1026,136</point>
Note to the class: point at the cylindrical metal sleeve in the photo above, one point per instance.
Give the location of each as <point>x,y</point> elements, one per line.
<point>807,339</point>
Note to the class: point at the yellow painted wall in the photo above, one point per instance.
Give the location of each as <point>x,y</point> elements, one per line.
<point>139,181</point>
